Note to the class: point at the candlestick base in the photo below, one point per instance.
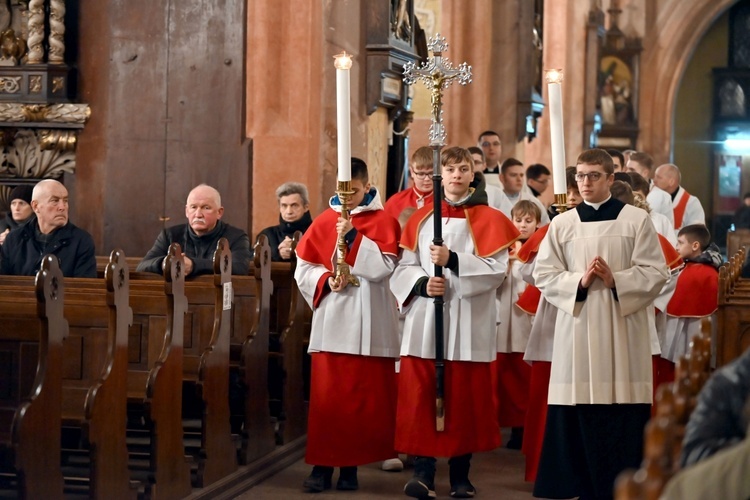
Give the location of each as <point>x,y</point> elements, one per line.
<point>344,192</point>
<point>561,203</point>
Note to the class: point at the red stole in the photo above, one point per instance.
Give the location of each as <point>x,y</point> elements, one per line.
<point>679,210</point>
<point>671,256</point>
<point>529,299</point>
<point>318,244</point>
<point>490,229</point>
<point>697,292</point>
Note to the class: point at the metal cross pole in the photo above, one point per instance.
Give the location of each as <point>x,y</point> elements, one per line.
<point>437,74</point>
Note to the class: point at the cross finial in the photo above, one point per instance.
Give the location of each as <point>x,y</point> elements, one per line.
<point>437,74</point>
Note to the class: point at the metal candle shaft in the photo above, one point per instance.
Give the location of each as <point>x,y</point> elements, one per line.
<point>437,74</point>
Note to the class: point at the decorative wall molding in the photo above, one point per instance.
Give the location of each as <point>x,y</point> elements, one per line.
<point>68,114</point>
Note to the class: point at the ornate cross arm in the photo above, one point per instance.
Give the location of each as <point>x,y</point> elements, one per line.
<point>437,74</point>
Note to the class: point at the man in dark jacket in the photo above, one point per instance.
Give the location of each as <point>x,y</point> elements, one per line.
<point>49,232</point>
<point>719,420</point>
<point>294,215</point>
<point>198,238</point>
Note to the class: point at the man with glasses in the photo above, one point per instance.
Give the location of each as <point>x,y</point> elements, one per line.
<point>492,146</point>
<point>419,193</point>
<point>601,265</point>
<point>537,178</point>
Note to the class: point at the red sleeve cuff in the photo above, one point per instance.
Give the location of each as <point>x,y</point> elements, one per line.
<point>351,255</point>
<point>321,289</point>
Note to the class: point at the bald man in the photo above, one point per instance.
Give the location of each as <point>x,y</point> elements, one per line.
<point>49,232</point>
<point>687,208</point>
<point>198,238</point>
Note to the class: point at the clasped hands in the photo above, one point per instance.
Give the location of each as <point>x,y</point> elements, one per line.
<point>598,268</point>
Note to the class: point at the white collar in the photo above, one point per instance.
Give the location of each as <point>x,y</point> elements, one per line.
<point>596,206</point>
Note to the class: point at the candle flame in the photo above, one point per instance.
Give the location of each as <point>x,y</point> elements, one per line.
<point>342,61</point>
<point>553,75</point>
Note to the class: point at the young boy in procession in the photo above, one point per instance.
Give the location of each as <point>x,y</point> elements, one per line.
<point>539,345</point>
<point>419,193</point>
<point>601,265</point>
<point>695,294</point>
<point>354,337</point>
<point>475,258</point>
<point>514,325</point>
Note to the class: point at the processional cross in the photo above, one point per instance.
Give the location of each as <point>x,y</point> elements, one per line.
<point>437,74</point>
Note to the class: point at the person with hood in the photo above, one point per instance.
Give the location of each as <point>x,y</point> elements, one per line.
<point>20,210</point>
<point>354,336</point>
<point>294,215</point>
<point>474,256</point>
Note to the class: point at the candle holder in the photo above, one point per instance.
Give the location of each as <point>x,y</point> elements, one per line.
<point>561,203</point>
<point>344,192</point>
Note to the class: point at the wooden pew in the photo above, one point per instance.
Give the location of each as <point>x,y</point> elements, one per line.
<point>733,314</point>
<point>665,431</point>
<point>293,342</point>
<point>258,433</point>
<point>218,456</point>
<point>29,444</point>
<point>161,395</point>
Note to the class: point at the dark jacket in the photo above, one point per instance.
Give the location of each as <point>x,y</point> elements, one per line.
<point>276,234</point>
<point>9,223</point>
<point>22,253</point>
<point>718,420</point>
<point>200,249</point>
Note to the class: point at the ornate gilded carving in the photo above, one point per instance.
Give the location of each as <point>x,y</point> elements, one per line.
<point>39,154</point>
<point>35,84</point>
<point>36,32</point>
<point>58,140</point>
<point>58,82</point>
<point>12,48</point>
<point>10,84</point>
<point>51,113</point>
<point>56,31</point>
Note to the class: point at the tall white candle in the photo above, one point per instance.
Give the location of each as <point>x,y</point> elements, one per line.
<point>343,63</point>
<point>554,79</point>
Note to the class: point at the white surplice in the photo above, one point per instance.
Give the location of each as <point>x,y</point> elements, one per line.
<point>469,323</point>
<point>602,345</point>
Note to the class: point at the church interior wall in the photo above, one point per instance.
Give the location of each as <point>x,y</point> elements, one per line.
<point>693,147</point>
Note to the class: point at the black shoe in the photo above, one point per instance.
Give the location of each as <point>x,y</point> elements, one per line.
<point>461,487</point>
<point>463,490</point>
<point>516,438</point>
<point>417,488</point>
<point>319,479</point>
<point>347,479</point>
<point>422,485</point>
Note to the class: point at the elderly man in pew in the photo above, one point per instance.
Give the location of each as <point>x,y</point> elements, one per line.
<point>198,238</point>
<point>49,232</point>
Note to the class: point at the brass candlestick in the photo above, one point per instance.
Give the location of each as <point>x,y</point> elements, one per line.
<point>561,203</point>
<point>344,192</point>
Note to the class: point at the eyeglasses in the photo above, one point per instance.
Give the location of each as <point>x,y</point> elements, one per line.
<point>421,175</point>
<point>592,176</point>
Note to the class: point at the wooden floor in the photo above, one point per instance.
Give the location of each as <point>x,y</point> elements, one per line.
<point>496,474</point>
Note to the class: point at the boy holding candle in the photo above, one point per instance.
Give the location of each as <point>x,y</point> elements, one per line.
<point>354,337</point>
<point>474,257</point>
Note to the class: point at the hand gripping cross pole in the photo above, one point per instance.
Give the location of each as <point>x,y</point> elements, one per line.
<point>437,74</point>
